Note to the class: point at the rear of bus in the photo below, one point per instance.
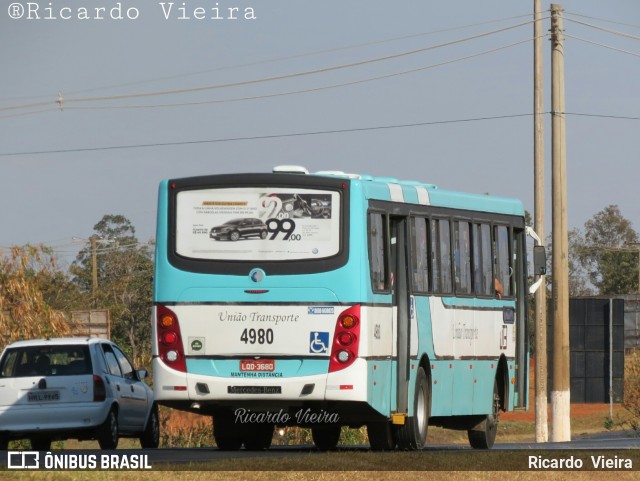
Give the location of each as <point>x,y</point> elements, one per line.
<point>257,299</point>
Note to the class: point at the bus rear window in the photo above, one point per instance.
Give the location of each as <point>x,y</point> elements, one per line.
<point>257,224</point>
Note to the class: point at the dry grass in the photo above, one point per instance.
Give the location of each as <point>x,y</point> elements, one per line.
<point>326,476</point>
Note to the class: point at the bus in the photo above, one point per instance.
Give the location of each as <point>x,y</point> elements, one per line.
<point>333,300</point>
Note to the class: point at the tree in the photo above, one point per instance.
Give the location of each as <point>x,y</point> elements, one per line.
<point>124,271</point>
<point>607,254</point>
<point>24,312</point>
<point>578,277</point>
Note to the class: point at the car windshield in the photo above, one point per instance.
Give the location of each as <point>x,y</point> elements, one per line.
<point>60,360</point>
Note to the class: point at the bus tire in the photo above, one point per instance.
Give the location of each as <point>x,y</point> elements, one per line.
<point>413,434</point>
<point>483,434</point>
<point>227,435</point>
<point>259,437</point>
<point>381,436</point>
<point>326,437</point>
<point>41,444</point>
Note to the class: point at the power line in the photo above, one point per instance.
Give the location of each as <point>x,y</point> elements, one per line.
<point>596,27</point>
<point>264,137</point>
<point>290,57</point>
<point>602,20</point>
<point>302,134</point>
<point>310,90</point>
<point>602,45</point>
<point>603,116</point>
<point>266,79</point>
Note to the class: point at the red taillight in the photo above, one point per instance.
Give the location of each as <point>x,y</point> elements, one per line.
<point>170,347</point>
<point>346,339</point>
<point>99,391</point>
<point>169,338</point>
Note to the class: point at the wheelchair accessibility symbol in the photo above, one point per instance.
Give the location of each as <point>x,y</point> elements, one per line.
<point>319,342</point>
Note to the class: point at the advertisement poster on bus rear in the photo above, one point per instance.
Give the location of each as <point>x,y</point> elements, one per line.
<point>262,224</point>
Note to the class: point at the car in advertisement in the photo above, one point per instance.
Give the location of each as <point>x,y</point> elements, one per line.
<point>236,229</point>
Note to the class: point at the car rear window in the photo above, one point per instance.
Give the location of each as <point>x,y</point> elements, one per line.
<point>58,360</point>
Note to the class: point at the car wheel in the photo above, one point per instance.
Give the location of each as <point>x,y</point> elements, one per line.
<point>234,236</point>
<point>150,437</point>
<point>263,234</point>
<point>107,432</point>
<point>41,444</point>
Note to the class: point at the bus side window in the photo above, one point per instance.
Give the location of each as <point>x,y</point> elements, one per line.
<point>503,267</point>
<point>487,261</point>
<point>377,252</point>
<point>462,257</point>
<point>441,256</point>
<point>419,255</point>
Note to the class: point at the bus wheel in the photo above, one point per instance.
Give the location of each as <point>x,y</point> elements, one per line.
<point>413,434</point>
<point>41,444</point>
<point>326,437</point>
<point>227,435</point>
<point>259,437</point>
<point>381,436</point>
<point>483,435</point>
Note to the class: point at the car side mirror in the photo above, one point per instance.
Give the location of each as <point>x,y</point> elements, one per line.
<point>142,374</point>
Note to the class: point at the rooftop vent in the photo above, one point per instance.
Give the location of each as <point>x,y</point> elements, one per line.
<point>289,169</point>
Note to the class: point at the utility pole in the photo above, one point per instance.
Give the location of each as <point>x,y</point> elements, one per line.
<point>94,271</point>
<point>542,434</point>
<point>561,392</point>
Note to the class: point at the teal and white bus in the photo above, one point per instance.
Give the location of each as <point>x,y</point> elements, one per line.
<point>327,300</point>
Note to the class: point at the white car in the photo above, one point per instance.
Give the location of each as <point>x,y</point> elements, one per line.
<point>80,388</point>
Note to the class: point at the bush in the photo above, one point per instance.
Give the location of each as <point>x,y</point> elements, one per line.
<point>632,390</point>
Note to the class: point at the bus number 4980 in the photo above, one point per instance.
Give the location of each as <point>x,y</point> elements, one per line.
<point>259,336</point>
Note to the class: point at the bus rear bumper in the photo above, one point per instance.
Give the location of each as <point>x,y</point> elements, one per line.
<point>349,384</point>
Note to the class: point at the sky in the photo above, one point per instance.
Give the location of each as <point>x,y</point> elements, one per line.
<point>95,112</point>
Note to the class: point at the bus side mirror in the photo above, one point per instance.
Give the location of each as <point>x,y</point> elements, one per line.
<point>539,261</point>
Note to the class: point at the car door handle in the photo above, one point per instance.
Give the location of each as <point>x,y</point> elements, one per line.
<point>132,390</point>
<point>118,387</point>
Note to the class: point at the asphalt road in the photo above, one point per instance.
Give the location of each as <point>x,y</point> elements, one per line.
<point>615,442</point>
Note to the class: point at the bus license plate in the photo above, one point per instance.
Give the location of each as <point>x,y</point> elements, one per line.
<point>258,365</point>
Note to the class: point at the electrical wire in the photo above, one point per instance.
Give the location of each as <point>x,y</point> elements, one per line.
<point>603,20</point>
<point>315,89</point>
<point>290,57</point>
<point>608,30</point>
<point>66,101</point>
<point>311,133</point>
<point>265,137</point>
<point>602,45</point>
<point>603,116</point>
